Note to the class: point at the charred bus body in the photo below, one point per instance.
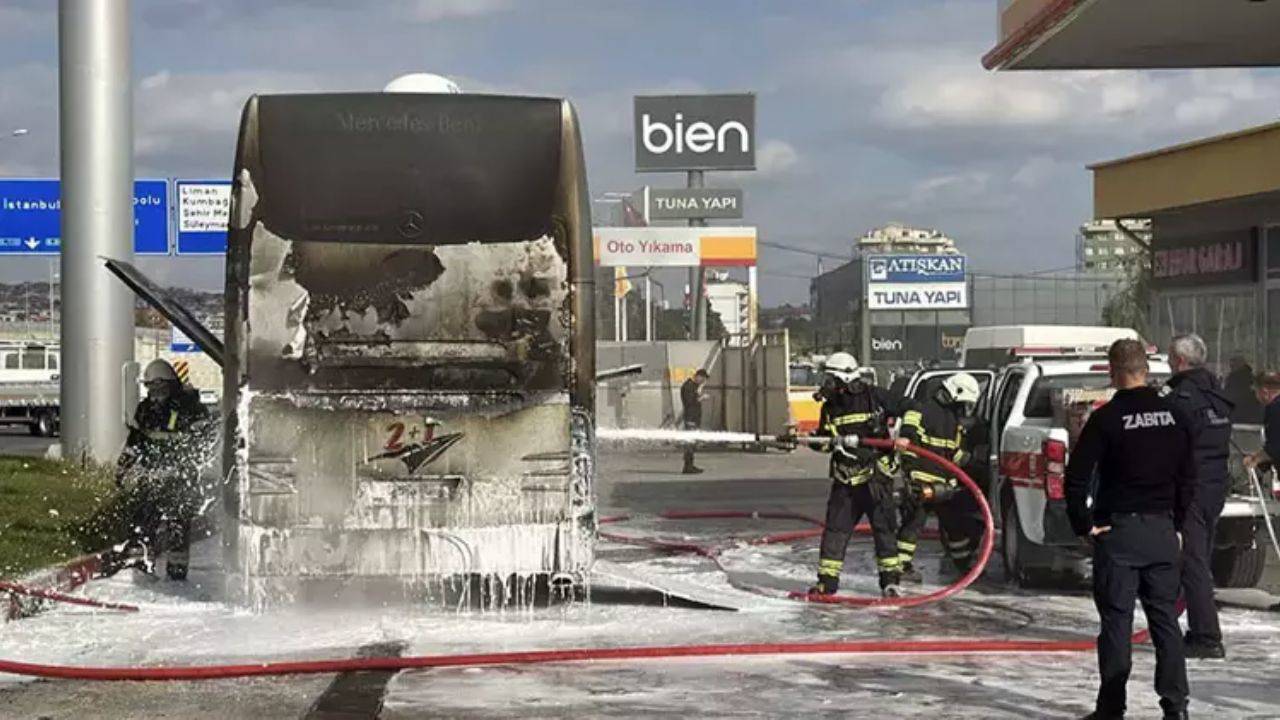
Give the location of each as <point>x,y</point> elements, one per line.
<point>410,343</point>
<point>409,348</point>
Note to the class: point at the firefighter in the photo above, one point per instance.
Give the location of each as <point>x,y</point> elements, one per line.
<point>159,474</point>
<point>1194,389</point>
<point>938,426</point>
<point>1142,448</point>
<point>853,410</point>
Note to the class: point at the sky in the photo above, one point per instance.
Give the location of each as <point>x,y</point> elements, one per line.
<point>869,111</point>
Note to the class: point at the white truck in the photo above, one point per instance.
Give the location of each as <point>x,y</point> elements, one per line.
<point>29,386</point>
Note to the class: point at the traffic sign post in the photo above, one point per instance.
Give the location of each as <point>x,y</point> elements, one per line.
<point>203,214</point>
<point>31,217</point>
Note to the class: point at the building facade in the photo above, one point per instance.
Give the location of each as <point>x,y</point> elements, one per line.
<point>898,239</point>
<point>1102,248</point>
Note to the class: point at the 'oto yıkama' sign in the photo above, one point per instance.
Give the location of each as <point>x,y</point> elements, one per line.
<point>675,246</point>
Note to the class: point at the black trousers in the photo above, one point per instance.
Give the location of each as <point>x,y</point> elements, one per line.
<point>958,521</point>
<point>846,505</point>
<point>1138,558</point>
<point>688,449</point>
<point>161,508</point>
<point>1197,551</point>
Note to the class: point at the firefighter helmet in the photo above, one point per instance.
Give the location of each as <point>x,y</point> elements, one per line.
<point>963,388</point>
<point>159,370</point>
<point>841,365</point>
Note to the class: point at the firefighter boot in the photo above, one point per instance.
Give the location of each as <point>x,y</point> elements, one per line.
<point>175,565</point>
<point>826,585</point>
<point>890,584</point>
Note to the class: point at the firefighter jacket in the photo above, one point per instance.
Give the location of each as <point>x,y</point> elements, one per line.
<point>863,410</point>
<point>939,429</point>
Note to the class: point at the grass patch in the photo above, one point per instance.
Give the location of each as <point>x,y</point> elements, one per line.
<point>50,511</point>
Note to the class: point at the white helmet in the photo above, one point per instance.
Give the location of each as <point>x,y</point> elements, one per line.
<point>159,370</point>
<point>963,388</point>
<point>423,83</point>
<point>842,365</point>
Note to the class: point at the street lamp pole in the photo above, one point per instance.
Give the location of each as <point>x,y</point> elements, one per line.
<point>96,139</point>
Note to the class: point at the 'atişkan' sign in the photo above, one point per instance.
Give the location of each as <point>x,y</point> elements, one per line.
<point>917,282</point>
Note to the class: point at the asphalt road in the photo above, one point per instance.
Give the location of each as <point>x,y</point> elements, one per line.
<point>185,624</point>
<point>17,440</point>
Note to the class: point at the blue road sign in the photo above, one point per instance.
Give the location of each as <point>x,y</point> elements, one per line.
<point>180,343</point>
<point>30,217</point>
<point>204,209</point>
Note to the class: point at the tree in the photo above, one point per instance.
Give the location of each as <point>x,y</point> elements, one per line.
<point>1128,307</point>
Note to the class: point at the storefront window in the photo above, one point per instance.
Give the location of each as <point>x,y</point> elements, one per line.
<point>1273,337</point>
<point>1227,322</point>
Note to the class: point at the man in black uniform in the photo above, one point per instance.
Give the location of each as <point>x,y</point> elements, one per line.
<point>1141,446</point>
<point>1269,397</point>
<point>851,411</point>
<point>691,413</point>
<point>159,473</point>
<point>1194,389</point>
<point>938,426</point>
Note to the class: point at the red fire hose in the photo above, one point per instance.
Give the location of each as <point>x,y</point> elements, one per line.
<point>901,647</point>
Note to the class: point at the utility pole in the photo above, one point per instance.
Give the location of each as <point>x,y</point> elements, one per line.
<point>95,110</point>
<point>697,276</point>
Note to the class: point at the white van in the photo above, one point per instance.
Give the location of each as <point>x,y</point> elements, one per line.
<point>998,345</point>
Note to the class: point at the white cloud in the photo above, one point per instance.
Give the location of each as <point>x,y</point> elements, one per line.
<point>776,157</point>
<point>435,10</point>
<point>190,119</point>
<point>1036,171</point>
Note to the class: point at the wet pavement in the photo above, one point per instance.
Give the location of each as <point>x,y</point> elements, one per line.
<point>184,624</point>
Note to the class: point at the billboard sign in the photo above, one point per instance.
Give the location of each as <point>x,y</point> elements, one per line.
<point>917,282</point>
<point>675,246</point>
<point>31,217</point>
<point>1210,259</point>
<point>694,203</point>
<point>695,132</point>
<point>909,343</point>
<point>204,212</point>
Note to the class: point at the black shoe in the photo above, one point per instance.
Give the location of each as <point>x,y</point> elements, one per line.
<point>889,584</point>
<point>128,554</point>
<point>176,571</point>
<point>825,586</point>
<point>911,575</point>
<point>1205,650</point>
<point>691,470</point>
<point>1176,715</point>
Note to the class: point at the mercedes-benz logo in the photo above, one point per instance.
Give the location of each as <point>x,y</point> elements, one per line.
<point>411,225</point>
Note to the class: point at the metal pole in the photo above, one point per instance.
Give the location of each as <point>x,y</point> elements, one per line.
<point>697,276</point>
<point>648,305</point>
<point>96,116</point>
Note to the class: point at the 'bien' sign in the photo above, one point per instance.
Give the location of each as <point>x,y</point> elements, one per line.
<point>695,132</point>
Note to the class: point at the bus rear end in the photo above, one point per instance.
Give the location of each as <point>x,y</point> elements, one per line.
<point>410,350</point>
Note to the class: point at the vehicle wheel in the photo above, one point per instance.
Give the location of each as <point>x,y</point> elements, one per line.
<point>1015,550</point>
<point>46,425</point>
<point>1239,566</point>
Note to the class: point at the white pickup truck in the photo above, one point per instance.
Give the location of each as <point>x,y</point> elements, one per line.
<point>1032,432</point>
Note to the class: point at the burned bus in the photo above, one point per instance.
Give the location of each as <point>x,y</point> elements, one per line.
<point>409,346</point>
